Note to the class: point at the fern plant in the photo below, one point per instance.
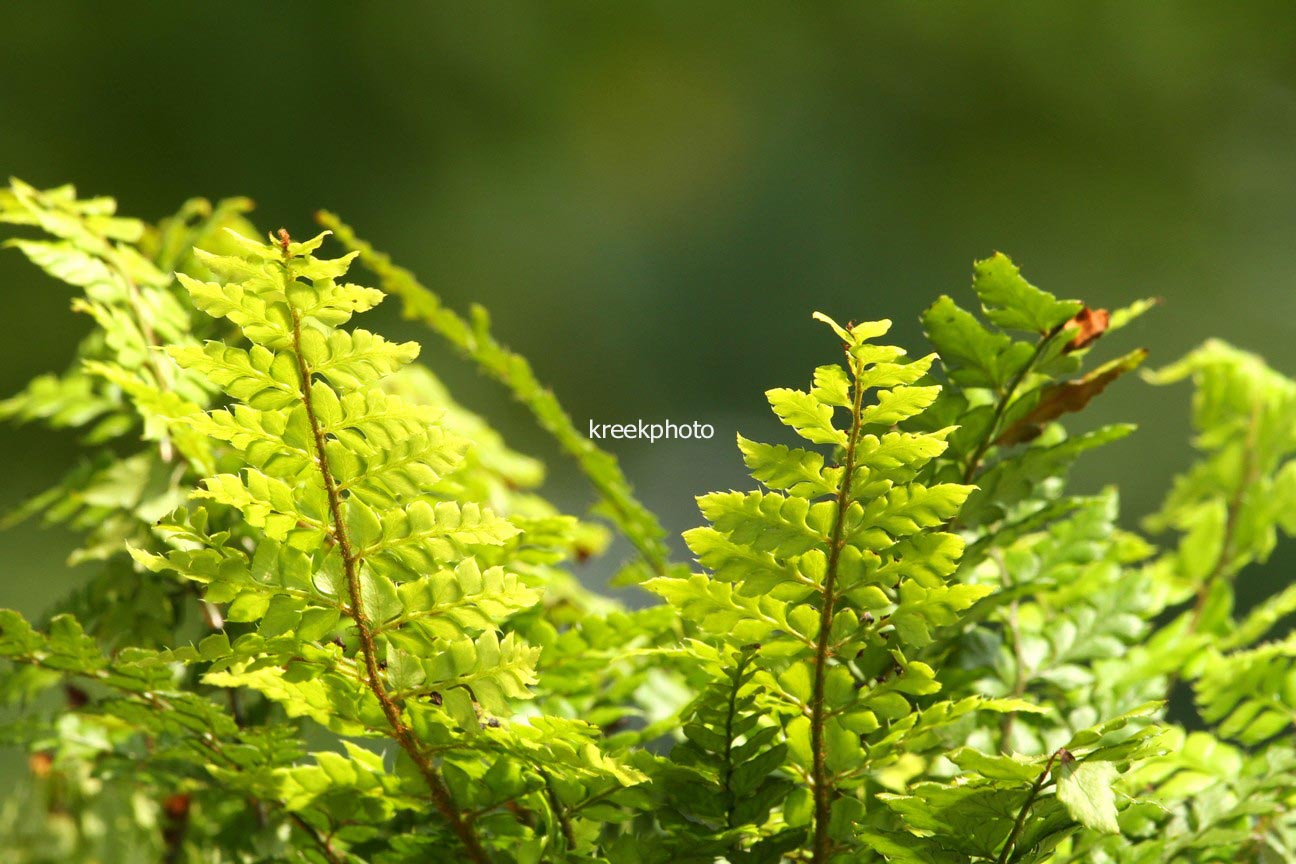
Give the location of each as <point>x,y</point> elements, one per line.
<point>347,462</point>
<point>836,569</point>
<point>328,616</point>
<point>841,569</point>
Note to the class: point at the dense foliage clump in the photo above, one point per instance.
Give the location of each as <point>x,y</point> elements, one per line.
<point>328,616</point>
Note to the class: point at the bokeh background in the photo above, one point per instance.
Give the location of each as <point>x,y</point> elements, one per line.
<point>653,197</point>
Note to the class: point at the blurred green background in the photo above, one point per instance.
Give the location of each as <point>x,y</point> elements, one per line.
<point>653,197</point>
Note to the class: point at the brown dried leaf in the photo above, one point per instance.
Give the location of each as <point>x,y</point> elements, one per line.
<point>1088,325</point>
<point>41,764</point>
<point>177,805</point>
<point>1069,397</point>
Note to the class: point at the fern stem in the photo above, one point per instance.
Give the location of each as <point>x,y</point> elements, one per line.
<point>727,781</point>
<point>1020,822</point>
<point>1020,681</point>
<point>1001,406</point>
<point>324,844</point>
<point>1009,718</point>
<point>136,300</point>
<point>373,676</point>
<point>635,521</point>
<point>731,711</point>
<point>1233,510</point>
<point>819,773</point>
<point>564,825</point>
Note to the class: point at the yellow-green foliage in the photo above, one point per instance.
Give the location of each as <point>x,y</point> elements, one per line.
<point>330,617</point>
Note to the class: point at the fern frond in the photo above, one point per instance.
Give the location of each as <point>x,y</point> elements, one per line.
<point>475,340</point>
